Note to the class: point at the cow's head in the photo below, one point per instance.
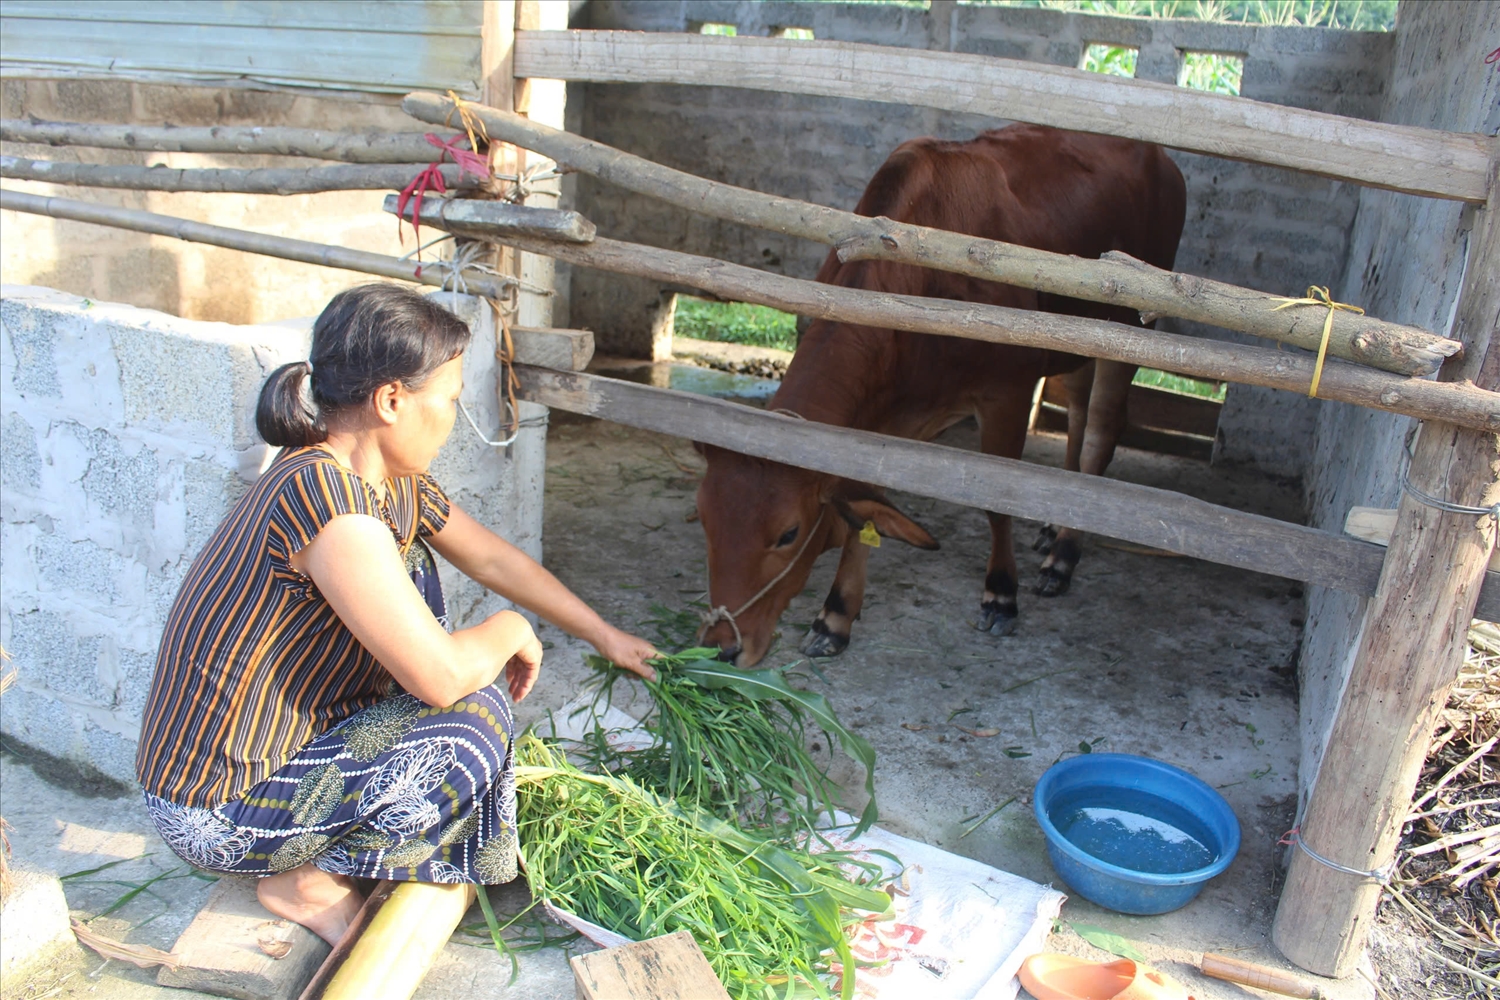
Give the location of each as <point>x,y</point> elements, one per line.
<point>766,524</point>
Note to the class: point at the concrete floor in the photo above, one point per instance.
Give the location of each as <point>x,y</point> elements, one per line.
<point>1173,658</point>
<point>1169,657</point>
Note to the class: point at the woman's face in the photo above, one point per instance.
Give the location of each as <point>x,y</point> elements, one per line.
<point>421,419</point>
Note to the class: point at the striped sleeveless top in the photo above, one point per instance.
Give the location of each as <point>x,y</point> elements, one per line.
<point>254,663</point>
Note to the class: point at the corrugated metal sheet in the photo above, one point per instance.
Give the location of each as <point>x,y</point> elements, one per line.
<point>381,46</point>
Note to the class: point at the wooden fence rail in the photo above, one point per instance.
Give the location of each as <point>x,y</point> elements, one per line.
<point>1459,403</point>
<point>1451,165</point>
<point>255,180</point>
<point>320,144</point>
<point>1140,514</point>
<point>1121,281</point>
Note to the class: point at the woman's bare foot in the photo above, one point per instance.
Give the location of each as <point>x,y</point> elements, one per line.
<point>325,904</point>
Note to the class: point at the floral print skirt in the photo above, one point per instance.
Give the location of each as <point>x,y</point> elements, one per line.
<point>399,791</point>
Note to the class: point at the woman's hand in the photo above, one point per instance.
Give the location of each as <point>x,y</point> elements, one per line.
<point>522,669</point>
<point>626,651</point>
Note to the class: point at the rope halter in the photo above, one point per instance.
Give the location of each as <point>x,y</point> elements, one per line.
<point>713,616</point>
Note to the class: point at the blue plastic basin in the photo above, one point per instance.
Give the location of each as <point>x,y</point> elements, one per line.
<point>1131,833</point>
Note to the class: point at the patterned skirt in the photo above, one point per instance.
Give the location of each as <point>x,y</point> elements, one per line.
<point>399,791</point>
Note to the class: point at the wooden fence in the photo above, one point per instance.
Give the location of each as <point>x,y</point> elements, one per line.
<point>1425,586</point>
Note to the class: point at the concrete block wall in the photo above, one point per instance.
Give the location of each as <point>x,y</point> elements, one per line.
<point>1406,263</point>
<point>125,436</point>
<point>192,280</point>
<point>1258,226</point>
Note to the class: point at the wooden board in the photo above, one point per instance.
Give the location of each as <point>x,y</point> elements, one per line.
<point>671,967</point>
<point>1142,514</point>
<point>1375,524</point>
<point>1158,409</point>
<point>549,347</point>
<point>1398,157</point>
<point>229,949</point>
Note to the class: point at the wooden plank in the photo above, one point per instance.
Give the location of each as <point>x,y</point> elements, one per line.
<point>1142,514</point>
<point>314,143</point>
<point>548,347</point>
<point>234,948</point>
<point>1421,161</point>
<point>1409,654</point>
<point>1158,409</point>
<point>1376,524</point>
<point>1053,418</point>
<point>1116,279</point>
<point>483,219</point>
<point>670,967</point>
<point>1216,361</point>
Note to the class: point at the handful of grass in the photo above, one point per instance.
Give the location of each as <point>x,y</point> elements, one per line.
<point>734,742</point>
<point>614,853</point>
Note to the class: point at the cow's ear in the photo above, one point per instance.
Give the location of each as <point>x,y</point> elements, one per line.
<point>862,507</point>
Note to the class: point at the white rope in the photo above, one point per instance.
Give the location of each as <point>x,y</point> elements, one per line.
<point>713,616</point>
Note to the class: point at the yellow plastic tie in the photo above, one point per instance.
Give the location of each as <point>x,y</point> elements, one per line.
<point>471,122</point>
<point>1319,296</point>
<point>869,535</point>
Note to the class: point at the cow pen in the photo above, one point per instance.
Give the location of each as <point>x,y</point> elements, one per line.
<point>1426,585</point>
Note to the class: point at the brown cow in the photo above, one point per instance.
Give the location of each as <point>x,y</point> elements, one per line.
<point>1063,191</point>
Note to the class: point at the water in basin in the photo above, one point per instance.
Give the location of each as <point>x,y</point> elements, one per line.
<point>1134,830</point>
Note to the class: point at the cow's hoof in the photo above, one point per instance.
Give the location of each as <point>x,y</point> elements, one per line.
<point>1052,583</point>
<point>1044,539</point>
<point>996,620</point>
<point>821,642</point>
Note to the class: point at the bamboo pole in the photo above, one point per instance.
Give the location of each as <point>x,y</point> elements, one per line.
<point>1116,280</point>
<point>389,960</point>
<point>1403,158</point>
<point>1460,403</point>
<point>1410,651</point>
<point>260,180</point>
<point>313,143</point>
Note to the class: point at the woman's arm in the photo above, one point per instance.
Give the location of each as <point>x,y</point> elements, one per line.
<point>484,556</point>
<point>357,567</point>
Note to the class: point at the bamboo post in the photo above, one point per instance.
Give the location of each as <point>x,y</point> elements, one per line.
<point>1214,360</point>
<point>259,180</point>
<point>347,147</point>
<point>1409,654</point>
<point>1121,281</point>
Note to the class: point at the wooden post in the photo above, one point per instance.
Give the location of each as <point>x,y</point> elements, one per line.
<point>1409,655</point>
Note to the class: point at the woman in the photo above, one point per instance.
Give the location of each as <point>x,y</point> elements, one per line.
<point>310,719</point>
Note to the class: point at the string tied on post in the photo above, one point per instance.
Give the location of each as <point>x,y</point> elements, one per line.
<point>1317,295</point>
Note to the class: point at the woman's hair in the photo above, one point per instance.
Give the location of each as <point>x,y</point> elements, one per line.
<point>366,337</point>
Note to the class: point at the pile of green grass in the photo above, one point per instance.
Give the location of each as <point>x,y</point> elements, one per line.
<point>770,921</point>
<point>734,742</point>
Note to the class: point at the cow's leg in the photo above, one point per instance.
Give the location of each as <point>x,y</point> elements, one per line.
<point>829,635</point>
<point>1104,424</point>
<point>1002,431</point>
<point>1078,386</point>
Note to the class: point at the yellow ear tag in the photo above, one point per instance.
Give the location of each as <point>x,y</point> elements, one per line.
<point>869,535</point>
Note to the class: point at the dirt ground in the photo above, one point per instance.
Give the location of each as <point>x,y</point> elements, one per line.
<point>1170,657</point>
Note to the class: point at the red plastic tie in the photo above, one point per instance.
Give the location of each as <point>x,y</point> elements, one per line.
<point>431,179</point>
